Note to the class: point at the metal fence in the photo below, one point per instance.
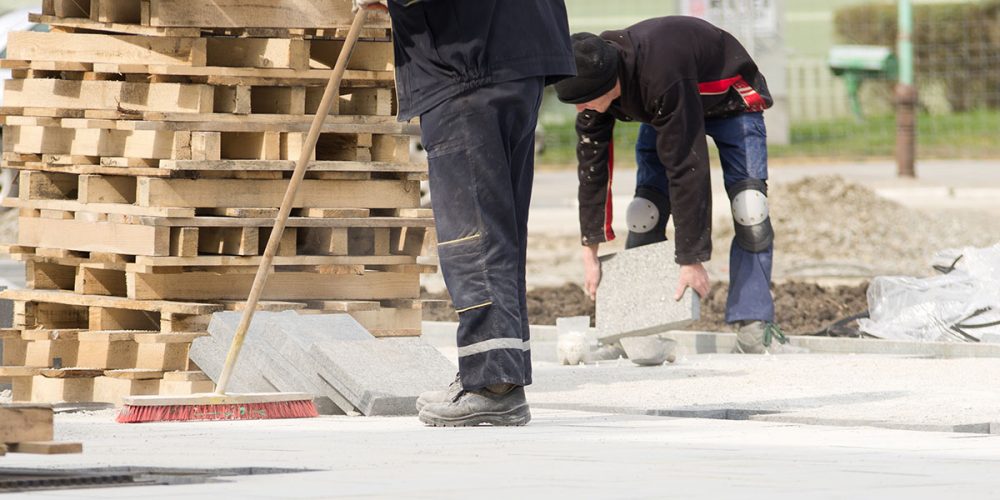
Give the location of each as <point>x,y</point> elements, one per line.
<point>957,72</point>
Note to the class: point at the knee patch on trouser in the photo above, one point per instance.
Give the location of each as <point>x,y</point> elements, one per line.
<point>751,216</point>
<point>646,218</point>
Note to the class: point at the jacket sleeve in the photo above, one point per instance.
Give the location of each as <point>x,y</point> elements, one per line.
<point>681,146</point>
<point>595,157</point>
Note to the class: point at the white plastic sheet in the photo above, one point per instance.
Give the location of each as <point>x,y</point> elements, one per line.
<point>961,305</point>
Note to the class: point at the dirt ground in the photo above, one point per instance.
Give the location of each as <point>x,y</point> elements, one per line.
<point>800,308</point>
<point>831,237</point>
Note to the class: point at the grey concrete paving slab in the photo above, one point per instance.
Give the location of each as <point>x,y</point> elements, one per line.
<point>209,353</point>
<point>904,385</point>
<point>382,376</point>
<point>560,454</point>
<point>636,294</point>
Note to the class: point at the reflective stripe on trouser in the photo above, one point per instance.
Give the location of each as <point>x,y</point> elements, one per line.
<point>480,148</point>
<point>742,144</point>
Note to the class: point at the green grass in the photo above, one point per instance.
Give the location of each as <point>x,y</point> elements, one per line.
<point>957,135</point>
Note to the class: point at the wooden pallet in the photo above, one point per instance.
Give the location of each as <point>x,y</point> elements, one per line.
<point>234,14</point>
<point>29,429</point>
<point>154,140</point>
<point>210,146</point>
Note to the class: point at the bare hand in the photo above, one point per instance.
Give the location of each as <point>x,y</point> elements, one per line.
<point>694,276</point>
<point>591,270</point>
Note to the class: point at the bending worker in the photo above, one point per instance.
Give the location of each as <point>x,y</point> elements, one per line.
<point>683,79</point>
<point>474,71</point>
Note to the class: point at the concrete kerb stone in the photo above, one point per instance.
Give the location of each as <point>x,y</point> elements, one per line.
<point>635,297</point>
<point>697,342</point>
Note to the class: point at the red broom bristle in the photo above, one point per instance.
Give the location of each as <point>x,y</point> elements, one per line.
<point>244,411</point>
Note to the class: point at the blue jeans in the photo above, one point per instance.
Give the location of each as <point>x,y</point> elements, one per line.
<point>742,143</point>
<point>480,149</point>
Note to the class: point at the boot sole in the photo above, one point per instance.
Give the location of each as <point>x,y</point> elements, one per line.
<point>512,418</point>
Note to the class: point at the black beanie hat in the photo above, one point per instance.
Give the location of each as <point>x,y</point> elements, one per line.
<point>597,70</point>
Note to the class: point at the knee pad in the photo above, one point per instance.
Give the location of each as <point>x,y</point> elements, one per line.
<point>646,218</point>
<point>751,216</point>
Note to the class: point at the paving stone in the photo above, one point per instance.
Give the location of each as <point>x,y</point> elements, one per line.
<point>383,376</point>
<point>291,337</point>
<point>275,355</point>
<point>636,295</point>
<point>209,353</point>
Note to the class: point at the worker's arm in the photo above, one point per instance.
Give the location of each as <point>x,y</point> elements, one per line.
<point>682,148</point>
<point>595,160</point>
<point>595,156</point>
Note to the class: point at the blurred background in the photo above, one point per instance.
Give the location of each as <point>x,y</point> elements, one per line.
<point>957,72</point>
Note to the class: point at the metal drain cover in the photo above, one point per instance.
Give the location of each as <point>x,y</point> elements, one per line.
<point>17,480</point>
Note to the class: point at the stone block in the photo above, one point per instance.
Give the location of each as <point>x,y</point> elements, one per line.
<point>383,376</point>
<point>636,295</point>
<point>209,353</point>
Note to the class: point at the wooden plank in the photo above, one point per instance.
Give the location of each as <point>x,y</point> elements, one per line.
<point>184,242</point>
<point>240,14</point>
<point>46,186</point>
<point>25,423</point>
<point>70,298</point>
<point>280,286</point>
<point>114,49</point>
<point>100,318</point>
<point>93,281</point>
<point>89,142</point>
<point>48,276</point>
<point>229,241</point>
<point>94,236</point>
<point>116,11</point>
<point>142,262</point>
<point>103,208</point>
<point>301,222</point>
<point>71,373</point>
<point>56,390</point>
<point>289,165</point>
<point>373,56</point>
<point>131,29</point>
<point>45,447</point>
<point>259,53</point>
<point>210,193</point>
<point>110,95</point>
<point>106,189</point>
<point>135,374</point>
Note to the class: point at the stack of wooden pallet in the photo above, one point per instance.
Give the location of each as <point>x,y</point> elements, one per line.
<point>29,429</point>
<point>154,140</point>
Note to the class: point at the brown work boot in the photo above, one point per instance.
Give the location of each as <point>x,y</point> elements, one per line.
<point>497,405</point>
<point>442,396</point>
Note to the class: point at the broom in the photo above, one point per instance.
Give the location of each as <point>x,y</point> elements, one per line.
<point>219,405</point>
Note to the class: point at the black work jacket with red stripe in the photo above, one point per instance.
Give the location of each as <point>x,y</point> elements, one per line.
<point>675,72</point>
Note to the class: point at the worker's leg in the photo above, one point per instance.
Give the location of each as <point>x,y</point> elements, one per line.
<point>478,146</point>
<point>742,143</point>
<point>649,211</point>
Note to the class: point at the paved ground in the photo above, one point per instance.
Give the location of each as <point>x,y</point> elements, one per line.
<point>562,454</point>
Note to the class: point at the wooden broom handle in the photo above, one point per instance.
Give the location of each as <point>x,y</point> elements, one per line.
<point>331,93</point>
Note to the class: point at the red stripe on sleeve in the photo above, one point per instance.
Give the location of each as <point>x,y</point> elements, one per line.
<point>609,234</point>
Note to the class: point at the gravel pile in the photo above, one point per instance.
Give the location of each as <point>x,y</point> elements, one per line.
<point>826,225</point>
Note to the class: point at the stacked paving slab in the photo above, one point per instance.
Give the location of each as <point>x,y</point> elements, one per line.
<point>154,140</point>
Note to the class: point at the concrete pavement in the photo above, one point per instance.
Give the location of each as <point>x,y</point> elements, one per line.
<point>560,454</point>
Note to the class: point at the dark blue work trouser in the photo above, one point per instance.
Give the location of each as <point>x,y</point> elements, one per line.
<point>480,147</point>
<point>742,143</point>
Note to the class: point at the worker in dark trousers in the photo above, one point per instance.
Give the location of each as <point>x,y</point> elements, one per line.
<point>683,79</point>
<point>474,71</point>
